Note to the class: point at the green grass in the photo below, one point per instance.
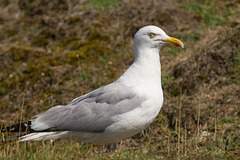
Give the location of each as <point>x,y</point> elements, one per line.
<point>102,4</point>
<point>165,80</point>
<point>89,51</point>
<point>85,75</point>
<point>171,50</point>
<point>206,12</point>
<point>236,68</point>
<point>237,58</point>
<point>188,37</point>
<point>152,145</point>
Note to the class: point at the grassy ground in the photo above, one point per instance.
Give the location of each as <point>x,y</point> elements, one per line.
<point>48,49</point>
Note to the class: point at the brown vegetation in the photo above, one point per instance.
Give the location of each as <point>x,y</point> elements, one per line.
<point>52,52</point>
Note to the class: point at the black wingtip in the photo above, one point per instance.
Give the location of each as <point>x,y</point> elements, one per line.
<point>19,127</point>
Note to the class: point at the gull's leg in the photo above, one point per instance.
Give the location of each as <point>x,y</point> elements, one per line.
<point>108,148</point>
<point>114,147</point>
<point>111,148</point>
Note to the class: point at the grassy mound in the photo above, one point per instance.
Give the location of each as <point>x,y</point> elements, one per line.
<point>52,52</point>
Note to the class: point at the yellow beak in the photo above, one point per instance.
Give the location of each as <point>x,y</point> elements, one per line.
<point>174,41</point>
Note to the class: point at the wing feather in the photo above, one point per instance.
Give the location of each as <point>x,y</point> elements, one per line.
<point>91,112</point>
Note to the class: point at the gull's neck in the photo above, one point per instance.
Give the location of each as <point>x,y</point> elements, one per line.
<point>148,58</point>
<point>146,68</point>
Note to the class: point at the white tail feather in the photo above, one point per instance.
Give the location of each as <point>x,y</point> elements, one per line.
<point>39,136</point>
<point>43,136</point>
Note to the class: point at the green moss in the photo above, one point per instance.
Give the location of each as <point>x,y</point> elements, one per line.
<point>4,3</point>
<point>22,54</point>
<point>67,41</point>
<point>95,34</point>
<point>30,67</point>
<point>76,45</point>
<point>76,54</point>
<point>89,49</point>
<point>19,54</point>
<point>11,32</point>
<point>42,39</point>
<point>203,76</point>
<point>3,90</point>
<point>73,20</point>
<point>102,4</point>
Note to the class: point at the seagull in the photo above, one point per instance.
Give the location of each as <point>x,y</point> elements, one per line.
<point>113,112</point>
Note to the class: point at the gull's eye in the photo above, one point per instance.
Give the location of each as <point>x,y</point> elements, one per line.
<point>152,34</point>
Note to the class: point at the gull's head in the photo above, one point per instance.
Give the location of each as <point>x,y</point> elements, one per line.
<point>154,37</point>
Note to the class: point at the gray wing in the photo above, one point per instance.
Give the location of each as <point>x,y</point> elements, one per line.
<point>91,112</point>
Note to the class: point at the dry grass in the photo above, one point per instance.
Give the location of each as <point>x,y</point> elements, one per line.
<point>48,49</point>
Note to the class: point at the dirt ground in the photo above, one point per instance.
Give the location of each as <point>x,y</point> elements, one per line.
<point>52,52</point>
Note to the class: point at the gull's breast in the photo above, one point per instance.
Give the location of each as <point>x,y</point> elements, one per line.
<point>128,124</point>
